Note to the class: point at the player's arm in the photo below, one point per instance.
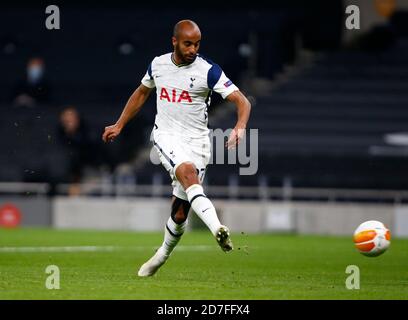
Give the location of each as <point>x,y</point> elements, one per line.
<point>132,107</point>
<point>243,111</point>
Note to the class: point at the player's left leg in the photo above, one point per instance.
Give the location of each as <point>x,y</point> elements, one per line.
<point>173,231</point>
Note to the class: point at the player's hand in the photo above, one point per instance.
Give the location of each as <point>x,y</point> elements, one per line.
<point>111,132</point>
<point>235,138</point>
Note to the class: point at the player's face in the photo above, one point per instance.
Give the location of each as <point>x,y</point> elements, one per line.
<point>186,46</point>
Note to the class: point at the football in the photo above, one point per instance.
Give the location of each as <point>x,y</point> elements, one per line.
<point>372,238</point>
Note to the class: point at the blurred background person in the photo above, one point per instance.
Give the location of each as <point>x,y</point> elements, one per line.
<point>73,136</point>
<point>34,88</point>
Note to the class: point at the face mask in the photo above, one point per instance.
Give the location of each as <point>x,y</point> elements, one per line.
<point>35,73</point>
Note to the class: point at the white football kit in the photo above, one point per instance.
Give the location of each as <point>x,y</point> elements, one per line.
<point>180,132</point>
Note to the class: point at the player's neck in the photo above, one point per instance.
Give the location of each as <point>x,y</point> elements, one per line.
<point>178,61</point>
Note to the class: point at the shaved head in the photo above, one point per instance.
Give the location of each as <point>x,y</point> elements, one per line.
<point>186,41</point>
<point>185,27</point>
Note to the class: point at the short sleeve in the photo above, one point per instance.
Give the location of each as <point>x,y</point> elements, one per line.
<point>219,82</point>
<point>148,80</point>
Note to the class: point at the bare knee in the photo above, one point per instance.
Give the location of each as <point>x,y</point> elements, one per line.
<point>187,175</point>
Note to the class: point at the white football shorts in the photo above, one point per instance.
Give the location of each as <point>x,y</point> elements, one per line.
<point>173,150</point>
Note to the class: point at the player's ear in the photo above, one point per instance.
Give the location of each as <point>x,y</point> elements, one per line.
<point>174,40</point>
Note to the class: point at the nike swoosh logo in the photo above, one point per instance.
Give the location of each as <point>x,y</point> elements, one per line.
<point>205,210</point>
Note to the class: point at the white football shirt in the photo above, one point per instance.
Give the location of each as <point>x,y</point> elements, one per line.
<point>184,93</point>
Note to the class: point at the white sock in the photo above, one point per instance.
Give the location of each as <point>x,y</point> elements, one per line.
<point>172,235</point>
<point>203,207</point>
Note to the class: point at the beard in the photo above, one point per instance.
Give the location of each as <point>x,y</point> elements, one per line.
<point>185,58</point>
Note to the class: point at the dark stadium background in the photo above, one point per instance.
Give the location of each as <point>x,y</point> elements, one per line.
<point>322,128</point>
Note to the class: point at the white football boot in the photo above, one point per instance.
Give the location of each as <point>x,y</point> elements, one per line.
<point>223,238</point>
<point>150,267</point>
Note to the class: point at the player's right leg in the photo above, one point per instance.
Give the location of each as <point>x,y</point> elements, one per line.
<point>173,231</point>
<point>187,175</point>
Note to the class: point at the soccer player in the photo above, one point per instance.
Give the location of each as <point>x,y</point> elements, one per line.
<point>184,81</point>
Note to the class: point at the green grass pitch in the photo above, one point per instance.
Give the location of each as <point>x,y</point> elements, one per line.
<point>267,266</point>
